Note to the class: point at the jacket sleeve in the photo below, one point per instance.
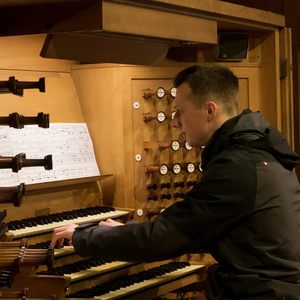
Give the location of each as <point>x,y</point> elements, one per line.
<point>222,200</point>
<point>149,241</point>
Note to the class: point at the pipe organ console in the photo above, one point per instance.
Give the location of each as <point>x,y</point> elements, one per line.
<point>66,275</point>
<point>128,110</point>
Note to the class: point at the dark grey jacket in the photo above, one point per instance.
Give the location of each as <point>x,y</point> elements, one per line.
<point>245,212</point>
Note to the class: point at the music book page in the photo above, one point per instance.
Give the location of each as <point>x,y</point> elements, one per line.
<point>69,144</point>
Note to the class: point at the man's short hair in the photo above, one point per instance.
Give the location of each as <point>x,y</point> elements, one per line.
<point>211,80</point>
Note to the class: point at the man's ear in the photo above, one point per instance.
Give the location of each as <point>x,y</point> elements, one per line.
<point>211,110</point>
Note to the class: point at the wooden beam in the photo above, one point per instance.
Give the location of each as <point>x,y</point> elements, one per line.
<point>151,22</point>
<point>218,10</point>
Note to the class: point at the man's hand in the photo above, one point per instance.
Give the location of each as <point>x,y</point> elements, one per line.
<point>110,223</point>
<point>66,231</point>
<point>62,233</point>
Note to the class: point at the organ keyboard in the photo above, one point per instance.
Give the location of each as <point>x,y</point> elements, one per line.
<point>73,275</point>
<point>146,284</point>
<point>43,224</point>
<point>91,267</point>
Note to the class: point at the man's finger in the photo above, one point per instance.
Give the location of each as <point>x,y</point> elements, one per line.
<point>58,238</point>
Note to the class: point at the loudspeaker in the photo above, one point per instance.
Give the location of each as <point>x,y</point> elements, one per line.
<point>232,46</point>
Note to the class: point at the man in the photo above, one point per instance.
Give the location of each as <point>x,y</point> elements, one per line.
<point>245,211</point>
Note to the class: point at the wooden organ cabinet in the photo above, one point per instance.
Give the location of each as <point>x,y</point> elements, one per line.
<point>122,88</point>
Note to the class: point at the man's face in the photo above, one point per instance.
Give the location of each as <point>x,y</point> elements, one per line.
<point>193,122</point>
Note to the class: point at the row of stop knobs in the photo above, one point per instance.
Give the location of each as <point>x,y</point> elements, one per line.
<point>175,196</point>
<point>169,196</point>
<point>168,185</point>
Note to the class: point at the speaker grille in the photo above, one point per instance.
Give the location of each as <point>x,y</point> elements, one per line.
<point>232,46</point>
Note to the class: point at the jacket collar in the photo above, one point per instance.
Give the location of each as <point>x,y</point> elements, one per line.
<point>252,130</point>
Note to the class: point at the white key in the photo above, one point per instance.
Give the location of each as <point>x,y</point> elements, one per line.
<point>134,288</point>
<point>97,270</point>
<point>19,233</point>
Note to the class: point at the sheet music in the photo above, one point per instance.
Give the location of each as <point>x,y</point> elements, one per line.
<point>69,144</point>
